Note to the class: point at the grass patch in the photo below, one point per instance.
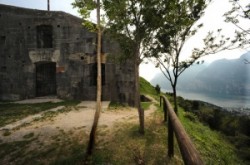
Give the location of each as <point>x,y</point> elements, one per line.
<point>11,112</point>
<point>116,105</point>
<point>12,150</point>
<point>29,135</point>
<point>127,146</point>
<point>147,89</point>
<point>145,105</point>
<point>64,148</point>
<point>6,133</point>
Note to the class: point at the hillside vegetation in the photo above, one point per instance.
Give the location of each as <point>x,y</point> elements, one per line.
<point>233,127</point>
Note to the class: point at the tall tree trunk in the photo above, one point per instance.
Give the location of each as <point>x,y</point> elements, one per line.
<point>99,86</point>
<point>137,91</point>
<point>175,100</point>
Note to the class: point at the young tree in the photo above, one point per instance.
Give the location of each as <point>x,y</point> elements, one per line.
<point>178,24</point>
<point>238,14</point>
<point>158,89</point>
<point>127,18</point>
<point>85,7</point>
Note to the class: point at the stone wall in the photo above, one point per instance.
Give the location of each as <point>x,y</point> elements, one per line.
<point>35,44</point>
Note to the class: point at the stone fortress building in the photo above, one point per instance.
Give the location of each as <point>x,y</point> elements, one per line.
<point>45,53</point>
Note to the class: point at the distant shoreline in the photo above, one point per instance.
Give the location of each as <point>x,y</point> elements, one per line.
<point>239,104</point>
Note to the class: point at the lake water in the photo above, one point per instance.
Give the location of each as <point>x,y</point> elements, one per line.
<point>222,101</point>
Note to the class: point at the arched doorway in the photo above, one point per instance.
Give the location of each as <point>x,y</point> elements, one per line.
<point>45,79</point>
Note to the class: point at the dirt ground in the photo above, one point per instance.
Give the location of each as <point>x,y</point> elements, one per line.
<point>80,117</point>
<point>61,130</point>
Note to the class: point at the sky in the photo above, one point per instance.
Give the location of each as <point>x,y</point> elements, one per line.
<point>212,20</point>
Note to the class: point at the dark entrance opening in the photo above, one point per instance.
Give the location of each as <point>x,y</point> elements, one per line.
<point>93,74</point>
<point>44,36</point>
<point>45,79</point>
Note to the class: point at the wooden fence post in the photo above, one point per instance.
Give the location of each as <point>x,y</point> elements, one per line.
<point>162,101</point>
<point>165,110</point>
<point>170,138</point>
<point>161,98</point>
<point>188,151</point>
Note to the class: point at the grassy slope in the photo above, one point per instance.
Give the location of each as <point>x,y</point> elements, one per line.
<point>212,145</point>
<point>147,89</point>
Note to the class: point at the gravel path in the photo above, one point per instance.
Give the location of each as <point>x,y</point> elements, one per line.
<point>79,118</point>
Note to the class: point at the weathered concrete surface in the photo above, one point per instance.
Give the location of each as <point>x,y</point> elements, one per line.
<point>50,53</point>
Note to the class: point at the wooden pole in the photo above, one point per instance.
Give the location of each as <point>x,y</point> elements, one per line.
<point>48,6</point>
<point>165,111</point>
<point>164,104</point>
<point>99,85</point>
<point>170,138</point>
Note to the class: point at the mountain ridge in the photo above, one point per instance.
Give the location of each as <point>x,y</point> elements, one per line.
<point>221,77</point>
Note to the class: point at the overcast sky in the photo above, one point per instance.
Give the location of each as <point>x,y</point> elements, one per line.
<point>213,19</point>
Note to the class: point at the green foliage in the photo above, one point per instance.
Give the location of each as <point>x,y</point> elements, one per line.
<point>177,25</point>
<point>174,29</point>
<point>236,15</point>
<point>213,146</point>
<point>84,8</point>
<point>158,89</point>
<point>129,19</point>
<point>192,117</point>
<point>235,128</point>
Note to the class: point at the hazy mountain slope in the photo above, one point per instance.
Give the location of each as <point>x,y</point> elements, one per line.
<point>184,78</point>
<point>226,77</point>
<point>222,77</point>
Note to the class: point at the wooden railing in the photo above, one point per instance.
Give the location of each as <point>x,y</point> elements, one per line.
<point>189,153</point>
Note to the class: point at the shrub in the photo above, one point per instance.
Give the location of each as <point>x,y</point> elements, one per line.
<point>192,117</point>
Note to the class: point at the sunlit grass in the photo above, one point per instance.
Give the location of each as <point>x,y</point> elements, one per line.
<point>147,89</point>
<point>127,146</point>
<point>145,105</point>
